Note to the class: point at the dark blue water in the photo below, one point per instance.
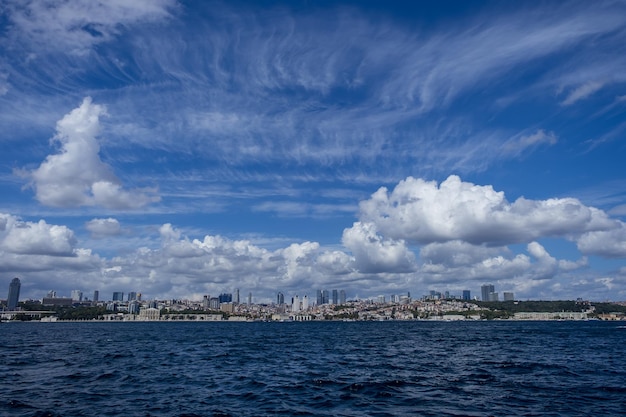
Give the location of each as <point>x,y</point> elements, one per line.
<point>326,368</point>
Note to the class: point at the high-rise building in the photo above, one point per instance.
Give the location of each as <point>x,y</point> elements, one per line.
<point>467,295</point>
<point>77,295</point>
<point>249,298</point>
<point>305,303</point>
<point>485,290</point>
<point>325,296</point>
<point>509,296</point>
<point>226,298</point>
<point>280,298</point>
<point>320,299</point>
<point>96,296</point>
<point>236,295</point>
<point>118,296</point>
<point>132,296</point>
<point>295,304</point>
<point>14,294</point>
<point>51,294</point>
<point>335,297</point>
<point>493,296</point>
<point>342,297</point>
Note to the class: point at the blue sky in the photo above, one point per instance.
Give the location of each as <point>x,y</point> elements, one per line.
<point>183,148</point>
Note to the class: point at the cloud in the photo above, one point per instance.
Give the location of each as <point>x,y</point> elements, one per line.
<point>30,238</point>
<point>74,26</point>
<point>76,176</point>
<point>457,253</point>
<point>103,227</point>
<point>373,253</point>
<point>582,92</point>
<point>516,146</point>
<point>606,243</point>
<point>425,212</point>
<point>459,265</point>
<point>4,84</point>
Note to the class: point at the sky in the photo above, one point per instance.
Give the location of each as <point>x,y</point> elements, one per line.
<point>189,148</point>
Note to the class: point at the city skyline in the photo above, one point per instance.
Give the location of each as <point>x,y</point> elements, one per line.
<point>323,296</point>
<point>180,148</point>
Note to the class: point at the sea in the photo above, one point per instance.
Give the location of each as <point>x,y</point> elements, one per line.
<point>393,368</point>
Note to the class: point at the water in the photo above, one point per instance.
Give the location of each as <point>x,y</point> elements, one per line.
<point>313,369</point>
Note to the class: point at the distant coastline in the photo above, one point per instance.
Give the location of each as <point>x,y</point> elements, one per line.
<point>422,310</point>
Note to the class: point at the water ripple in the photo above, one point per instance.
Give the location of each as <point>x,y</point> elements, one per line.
<point>312,369</point>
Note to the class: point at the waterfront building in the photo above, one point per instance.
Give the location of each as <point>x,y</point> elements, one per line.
<point>149,314</point>
<point>57,301</point>
<point>342,297</point>
<point>509,296</point>
<point>14,294</point>
<point>485,290</point>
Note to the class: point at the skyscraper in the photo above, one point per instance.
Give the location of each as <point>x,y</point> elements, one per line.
<point>280,298</point>
<point>236,295</point>
<point>118,296</point>
<point>96,296</point>
<point>509,296</point>
<point>77,295</point>
<point>335,297</point>
<point>467,295</point>
<point>325,297</point>
<point>342,297</point>
<point>14,294</point>
<point>485,290</point>
<point>320,300</point>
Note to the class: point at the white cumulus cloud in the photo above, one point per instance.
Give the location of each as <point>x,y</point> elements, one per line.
<point>103,227</point>
<point>425,212</point>
<point>35,238</point>
<point>76,176</point>
<point>374,253</point>
<point>606,243</point>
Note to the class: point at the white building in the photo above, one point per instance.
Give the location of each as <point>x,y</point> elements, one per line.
<point>149,314</point>
<point>295,305</point>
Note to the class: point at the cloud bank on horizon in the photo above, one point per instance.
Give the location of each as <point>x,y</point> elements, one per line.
<point>181,149</point>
